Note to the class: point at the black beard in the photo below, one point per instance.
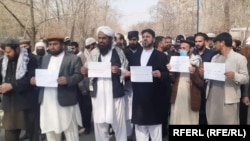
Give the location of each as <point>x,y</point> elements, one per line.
<point>15,57</point>
<point>55,53</point>
<point>201,48</point>
<point>134,46</point>
<point>165,49</point>
<point>104,49</point>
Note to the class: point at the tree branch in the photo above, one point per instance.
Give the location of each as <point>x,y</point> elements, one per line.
<point>15,17</point>
<point>21,2</point>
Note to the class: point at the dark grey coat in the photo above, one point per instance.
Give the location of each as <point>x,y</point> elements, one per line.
<point>70,68</point>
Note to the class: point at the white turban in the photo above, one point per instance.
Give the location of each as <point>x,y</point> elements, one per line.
<point>40,44</point>
<point>106,30</point>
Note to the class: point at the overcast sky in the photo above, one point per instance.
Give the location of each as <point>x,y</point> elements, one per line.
<point>133,11</point>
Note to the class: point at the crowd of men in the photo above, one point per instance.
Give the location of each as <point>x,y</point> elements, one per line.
<point>134,109</point>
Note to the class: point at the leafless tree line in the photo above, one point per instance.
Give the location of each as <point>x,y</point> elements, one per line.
<point>173,17</point>
<point>33,19</point>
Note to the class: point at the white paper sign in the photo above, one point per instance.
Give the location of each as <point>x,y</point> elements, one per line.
<point>99,69</point>
<point>141,73</point>
<point>214,71</point>
<point>179,64</point>
<point>46,78</point>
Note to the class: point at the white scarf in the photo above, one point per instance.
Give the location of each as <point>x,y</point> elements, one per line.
<point>21,68</point>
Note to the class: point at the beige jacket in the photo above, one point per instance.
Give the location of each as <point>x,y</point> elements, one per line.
<point>237,63</point>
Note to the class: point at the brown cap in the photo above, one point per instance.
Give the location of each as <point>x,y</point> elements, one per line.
<point>24,41</point>
<point>55,38</point>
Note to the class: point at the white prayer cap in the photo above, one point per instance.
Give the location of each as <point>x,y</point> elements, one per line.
<point>40,44</point>
<point>211,35</point>
<point>248,41</point>
<point>106,30</point>
<point>89,41</point>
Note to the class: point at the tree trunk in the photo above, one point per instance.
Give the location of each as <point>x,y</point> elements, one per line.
<point>33,27</point>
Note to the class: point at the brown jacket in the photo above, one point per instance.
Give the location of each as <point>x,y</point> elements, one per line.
<point>196,85</point>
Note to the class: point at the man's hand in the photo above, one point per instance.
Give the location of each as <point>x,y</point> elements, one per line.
<point>126,73</point>
<point>5,87</point>
<point>229,75</point>
<point>191,69</point>
<point>168,66</point>
<point>84,70</point>
<point>156,73</point>
<point>246,100</point>
<point>201,70</point>
<point>33,81</point>
<point>115,69</point>
<point>62,80</point>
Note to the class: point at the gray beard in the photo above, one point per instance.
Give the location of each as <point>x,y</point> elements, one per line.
<point>148,46</point>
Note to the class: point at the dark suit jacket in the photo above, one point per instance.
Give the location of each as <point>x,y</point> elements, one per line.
<point>149,98</point>
<point>70,68</point>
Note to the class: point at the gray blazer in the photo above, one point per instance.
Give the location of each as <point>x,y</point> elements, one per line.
<point>70,68</point>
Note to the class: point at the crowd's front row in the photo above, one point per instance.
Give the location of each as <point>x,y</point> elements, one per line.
<point>124,100</point>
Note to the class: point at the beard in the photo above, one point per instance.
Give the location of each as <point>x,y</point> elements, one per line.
<point>14,58</point>
<point>147,45</point>
<point>104,49</point>
<point>134,46</point>
<point>200,48</point>
<point>55,52</point>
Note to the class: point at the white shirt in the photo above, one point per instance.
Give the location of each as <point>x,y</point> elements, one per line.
<point>103,107</point>
<point>145,56</point>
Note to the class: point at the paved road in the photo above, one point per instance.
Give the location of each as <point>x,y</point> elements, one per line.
<point>83,137</point>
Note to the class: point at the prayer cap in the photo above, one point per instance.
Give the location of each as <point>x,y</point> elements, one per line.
<point>90,41</point>
<point>211,35</point>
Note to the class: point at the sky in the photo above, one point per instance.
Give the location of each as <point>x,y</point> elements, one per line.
<point>133,11</point>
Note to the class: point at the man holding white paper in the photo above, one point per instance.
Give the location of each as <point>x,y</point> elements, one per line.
<point>186,88</point>
<point>59,109</point>
<point>107,93</point>
<point>223,97</point>
<point>148,97</point>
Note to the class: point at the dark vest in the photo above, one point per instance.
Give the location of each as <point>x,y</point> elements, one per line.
<point>116,83</point>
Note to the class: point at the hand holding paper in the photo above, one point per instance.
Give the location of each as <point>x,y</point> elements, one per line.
<point>141,73</point>
<point>214,71</point>
<point>179,64</point>
<point>46,78</point>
